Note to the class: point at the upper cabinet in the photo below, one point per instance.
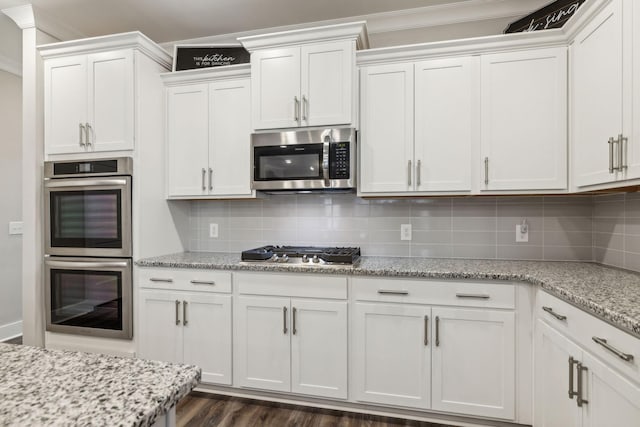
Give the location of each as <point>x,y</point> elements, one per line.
<point>523,143</point>
<point>90,92</point>
<point>299,78</point>
<point>605,65</point>
<point>208,133</point>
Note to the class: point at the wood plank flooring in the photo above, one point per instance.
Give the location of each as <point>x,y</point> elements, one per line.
<point>204,409</point>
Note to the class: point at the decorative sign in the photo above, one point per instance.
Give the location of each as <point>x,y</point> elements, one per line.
<point>188,57</point>
<point>553,15</point>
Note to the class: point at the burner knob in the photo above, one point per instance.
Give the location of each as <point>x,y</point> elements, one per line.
<point>305,258</point>
<point>274,258</point>
<point>284,258</point>
<point>315,259</point>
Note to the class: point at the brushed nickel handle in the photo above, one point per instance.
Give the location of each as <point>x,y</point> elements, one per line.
<point>603,342</point>
<point>202,282</point>
<point>572,362</point>
<point>418,173</point>
<point>161,279</point>
<point>486,171</point>
<point>611,142</point>
<point>210,179</point>
<point>177,312</point>
<point>426,330</point>
<point>385,292</point>
<point>305,105</point>
<point>85,182</point>
<point>554,314</point>
<point>81,129</point>
<point>579,370</point>
<point>296,109</point>
<point>621,142</point>
<point>88,133</point>
<point>284,320</point>
<point>473,296</point>
<point>437,331</point>
<point>409,173</point>
<point>624,145</point>
<point>185,321</point>
<point>293,323</point>
<point>204,174</point>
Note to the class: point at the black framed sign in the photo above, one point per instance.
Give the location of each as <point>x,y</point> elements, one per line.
<point>553,15</point>
<point>189,57</point>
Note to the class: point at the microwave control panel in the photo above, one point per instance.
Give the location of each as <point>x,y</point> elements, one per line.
<point>339,159</point>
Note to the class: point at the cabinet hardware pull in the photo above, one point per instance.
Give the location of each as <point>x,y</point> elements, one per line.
<point>579,369</point>
<point>418,173</point>
<point>210,179</point>
<point>293,323</point>
<point>204,174</point>
<point>158,279</point>
<point>81,129</point>
<point>177,312</point>
<point>572,362</point>
<point>385,292</point>
<point>486,171</point>
<point>185,321</point>
<point>437,331</point>
<point>554,314</point>
<point>203,282</point>
<point>305,105</point>
<point>621,144</point>
<point>474,296</point>
<point>296,109</point>
<point>603,342</point>
<point>611,142</point>
<point>426,330</point>
<point>88,131</point>
<point>284,320</point>
<point>409,174</point>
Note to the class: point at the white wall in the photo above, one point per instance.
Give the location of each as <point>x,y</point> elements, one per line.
<point>10,203</point>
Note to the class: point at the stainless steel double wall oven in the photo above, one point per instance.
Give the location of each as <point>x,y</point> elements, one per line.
<point>88,247</point>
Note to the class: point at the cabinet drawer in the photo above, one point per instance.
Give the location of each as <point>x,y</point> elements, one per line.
<point>185,279</point>
<point>435,292</point>
<point>582,327</point>
<point>292,285</point>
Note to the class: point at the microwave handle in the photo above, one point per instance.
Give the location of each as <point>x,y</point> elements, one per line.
<point>325,161</point>
<point>84,182</point>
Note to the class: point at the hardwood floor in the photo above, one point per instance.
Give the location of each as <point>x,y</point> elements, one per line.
<point>204,409</point>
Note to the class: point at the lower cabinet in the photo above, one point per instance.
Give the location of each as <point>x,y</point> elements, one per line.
<point>292,345</point>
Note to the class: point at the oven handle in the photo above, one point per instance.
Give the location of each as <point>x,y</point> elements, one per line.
<point>84,183</point>
<point>90,264</point>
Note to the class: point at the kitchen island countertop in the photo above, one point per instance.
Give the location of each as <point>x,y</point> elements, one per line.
<point>51,387</point>
<point>610,293</point>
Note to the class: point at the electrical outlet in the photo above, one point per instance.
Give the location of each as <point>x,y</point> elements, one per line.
<point>15,227</point>
<point>522,236</point>
<point>405,231</point>
<point>213,230</point>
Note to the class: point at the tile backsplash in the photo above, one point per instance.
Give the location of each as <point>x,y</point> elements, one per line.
<point>560,227</point>
<point>616,230</point>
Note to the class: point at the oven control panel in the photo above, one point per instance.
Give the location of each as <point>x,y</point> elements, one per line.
<point>339,160</point>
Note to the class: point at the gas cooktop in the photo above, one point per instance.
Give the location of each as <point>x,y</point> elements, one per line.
<point>308,255</point>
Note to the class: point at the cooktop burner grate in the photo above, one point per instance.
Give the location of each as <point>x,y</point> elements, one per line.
<point>306,254</point>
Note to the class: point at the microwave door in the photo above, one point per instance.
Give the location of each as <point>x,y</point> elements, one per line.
<point>289,166</point>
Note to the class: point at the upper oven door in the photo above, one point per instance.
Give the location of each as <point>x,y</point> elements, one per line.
<point>88,216</point>
<point>288,166</point>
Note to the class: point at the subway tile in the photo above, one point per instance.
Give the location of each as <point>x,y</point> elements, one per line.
<point>609,209</point>
<point>431,223</point>
<point>608,241</point>
<point>281,236</point>
<point>519,200</point>
<point>276,223</point>
<point>431,237</point>
<point>632,244</point>
<point>279,207</point>
<point>314,223</point>
<point>632,226</point>
<point>608,198</point>
<point>568,199</point>
<point>568,238</point>
<point>476,209</point>
<point>632,208</point>
<point>433,208</point>
<point>474,251</point>
<point>245,208</point>
<point>389,208</point>
<point>568,253</point>
<point>388,223</point>
<point>312,236</point>
<point>609,257</point>
<point>466,223</point>
<point>393,250</point>
<point>564,210</point>
<point>509,238</point>
<point>431,250</point>
<point>509,223</point>
<point>474,237</point>
<point>346,237</point>
<point>244,222</point>
<point>214,245</point>
<point>349,223</point>
<point>632,261</point>
<point>532,252</point>
<point>385,236</point>
<point>608,225</point>
<point>521,210</point>
<point>568,223</point>
<point>242,245</point>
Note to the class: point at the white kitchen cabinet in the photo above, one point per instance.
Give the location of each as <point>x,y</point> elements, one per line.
<point>89,102</point>
<point>474,362</point>
<point>417,126</point>
<point>392,354</point>
<point>292,345</point>
<point>160,332</point>
<point>523,140</point>
<point>309,85</point>
<point>208,134</point>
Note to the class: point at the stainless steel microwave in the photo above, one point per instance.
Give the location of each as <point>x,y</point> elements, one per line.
<point>310,159</point>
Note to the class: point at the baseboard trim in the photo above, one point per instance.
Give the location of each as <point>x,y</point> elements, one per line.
<point>10,330</point>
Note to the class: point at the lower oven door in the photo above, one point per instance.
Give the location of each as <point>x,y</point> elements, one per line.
<point>89,296</point>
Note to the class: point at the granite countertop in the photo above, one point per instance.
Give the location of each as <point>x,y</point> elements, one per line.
<point>51,387</point>
<point>609,293</point>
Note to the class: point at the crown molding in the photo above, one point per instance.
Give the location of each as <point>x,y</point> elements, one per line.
<point>10,65</point>
<point>204,75</point>
<point>21,15</point>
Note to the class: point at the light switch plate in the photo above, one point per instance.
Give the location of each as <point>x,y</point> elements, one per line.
<point>15,227</point>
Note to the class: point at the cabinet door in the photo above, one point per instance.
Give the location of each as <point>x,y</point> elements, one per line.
<point>386,134</point>
<point>275,80</point>
<point>262,350</point>
<point>553,405</point>
<point>524,120</point>
<point>188,139</point>
<point>230,138</point>
<point>327,83</point>
<point>446,110</point>
<point>207,335</point>
<point>612,399</point>
<point>597,96</point>
<point>65,104</point>
<point>160,321</point>
<point>111,101</point>
<point>392,354</point>
<point>473,370</point>
<point>319,348</point>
